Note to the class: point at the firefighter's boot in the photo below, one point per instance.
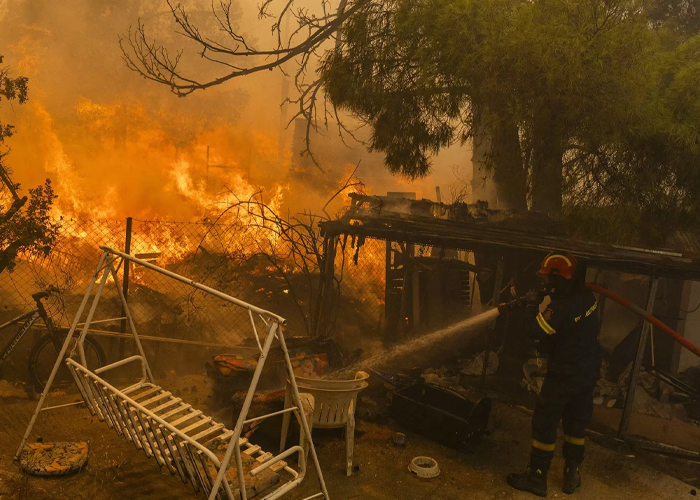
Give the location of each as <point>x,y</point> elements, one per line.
<point>533,480</point>
<point>572,477</point>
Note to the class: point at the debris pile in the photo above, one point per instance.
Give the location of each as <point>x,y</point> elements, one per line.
<point>476,365</point>
<point>656,395</point>
<point>534,370</point>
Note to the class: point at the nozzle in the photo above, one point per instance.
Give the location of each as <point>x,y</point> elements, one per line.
<point>513,304</point>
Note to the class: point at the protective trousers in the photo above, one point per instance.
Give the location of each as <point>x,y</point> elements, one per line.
<point>568,398</point>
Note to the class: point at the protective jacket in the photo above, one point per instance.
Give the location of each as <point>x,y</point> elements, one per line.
<point>568,332</point>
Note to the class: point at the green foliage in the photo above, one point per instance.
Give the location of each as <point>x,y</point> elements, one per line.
<point>26,225</point>
<point>416,69</point>
<point>31,230</point>
<point>682,16</point>
<point>385,74</point>
<point>11,89</point>
<point>598,93</point>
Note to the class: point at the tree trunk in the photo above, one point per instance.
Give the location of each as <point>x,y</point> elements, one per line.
<point>7,256</point>
<point>509,172</point>
<point>483,185</point>
<point>499,175</point>
<point>14,208</point>
<point>547,153</point>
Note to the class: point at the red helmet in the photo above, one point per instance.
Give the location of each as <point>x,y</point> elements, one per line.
<point>563,264</point>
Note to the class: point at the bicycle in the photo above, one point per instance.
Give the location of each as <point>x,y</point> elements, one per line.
<point>43,355</point>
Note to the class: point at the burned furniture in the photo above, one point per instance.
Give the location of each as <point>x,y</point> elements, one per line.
<point>180,438</point>
<point>453,418</point>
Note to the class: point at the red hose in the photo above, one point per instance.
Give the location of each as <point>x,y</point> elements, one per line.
<point>641,312</point>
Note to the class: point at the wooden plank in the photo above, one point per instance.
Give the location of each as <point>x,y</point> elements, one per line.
<point>155,398</point>
<point>187,417</point>
<point>196,425</point>
<point>175,411</point>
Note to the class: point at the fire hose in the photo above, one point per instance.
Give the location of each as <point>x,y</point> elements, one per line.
<point>648,317</point>
<point>521,301</point>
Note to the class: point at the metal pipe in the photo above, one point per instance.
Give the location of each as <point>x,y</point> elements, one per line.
<point>274,460</point>
<point>105,333</point>
<point>125,285</point>
<point>119,363</point>
<point>196,285</point>
<point>67,341</point>
<point>63,405</point>
<point>637,365</point>
<point>302,417</point>
<point>255,330</point>
<point>262,417</point>
<point>314,496</point>
<point>646,315</point>
<point>286,488</point>
<point>239,470</point>
<point>241,418</point>
<point>91,313</point>
<point>103,321</point>
<point>132,325</point>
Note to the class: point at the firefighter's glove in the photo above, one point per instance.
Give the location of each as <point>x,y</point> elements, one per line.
<point>534,297</point>
<point>504,307</point>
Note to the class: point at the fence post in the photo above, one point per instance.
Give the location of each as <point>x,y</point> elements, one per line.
<point>387,284</point>
<point>326,295</point>
<point>637,362</point>
<point>125,285</point>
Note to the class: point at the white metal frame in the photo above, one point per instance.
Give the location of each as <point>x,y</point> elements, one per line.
<point>128,413</point>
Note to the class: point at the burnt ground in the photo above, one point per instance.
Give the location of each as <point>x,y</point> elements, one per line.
<point>116,470</point>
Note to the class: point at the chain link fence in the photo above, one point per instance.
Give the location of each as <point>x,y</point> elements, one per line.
<point>222,256</point>
<point>227,257</point>
<point>211,254</point>
<point>361,270</point>
<point>68,267</point>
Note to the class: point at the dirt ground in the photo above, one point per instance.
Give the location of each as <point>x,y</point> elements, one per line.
<point>116,470</point>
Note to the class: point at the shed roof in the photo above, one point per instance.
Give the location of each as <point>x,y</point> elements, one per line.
<point>475,227</point>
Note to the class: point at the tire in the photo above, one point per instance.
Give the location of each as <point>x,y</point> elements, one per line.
<point>44,354</point>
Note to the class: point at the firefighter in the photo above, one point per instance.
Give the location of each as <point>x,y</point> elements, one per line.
<point>567,330</point>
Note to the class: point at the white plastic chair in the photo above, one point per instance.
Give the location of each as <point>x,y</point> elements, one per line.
<point>335,403</point>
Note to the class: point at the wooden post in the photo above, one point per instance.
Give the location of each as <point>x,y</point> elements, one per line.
<point>415,292</point>
<point>637,364</point>
<point>405,325</point>
<point>326,296</point>
<point>387,286</point>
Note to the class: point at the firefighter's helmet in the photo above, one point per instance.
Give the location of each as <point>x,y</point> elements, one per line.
<point>563,264</point>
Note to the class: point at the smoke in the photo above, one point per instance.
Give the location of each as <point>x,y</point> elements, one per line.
<point>116,145</point>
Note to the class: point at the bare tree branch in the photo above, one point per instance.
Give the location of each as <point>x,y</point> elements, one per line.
<point>304,45</point>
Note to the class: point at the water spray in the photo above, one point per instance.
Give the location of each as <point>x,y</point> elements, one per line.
<point>423,342</point>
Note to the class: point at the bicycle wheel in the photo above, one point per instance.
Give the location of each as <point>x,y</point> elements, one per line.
<point>43,357</point>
